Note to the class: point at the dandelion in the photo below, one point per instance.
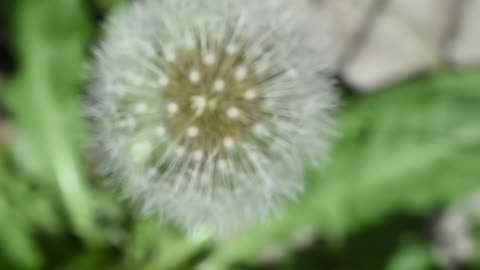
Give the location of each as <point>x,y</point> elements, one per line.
<point>207,111</point>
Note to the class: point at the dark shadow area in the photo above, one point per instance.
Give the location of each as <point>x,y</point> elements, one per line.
<point>367,249</point>
<point>8,64</point>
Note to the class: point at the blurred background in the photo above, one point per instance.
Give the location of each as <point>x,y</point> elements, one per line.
<point>401,190</point>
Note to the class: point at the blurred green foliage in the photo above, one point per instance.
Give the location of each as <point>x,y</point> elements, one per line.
<point>401,155</point>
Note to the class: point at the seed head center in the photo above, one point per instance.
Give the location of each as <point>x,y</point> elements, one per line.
<point>211,98</point>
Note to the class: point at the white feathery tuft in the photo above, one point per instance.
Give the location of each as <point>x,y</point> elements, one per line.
<point>207,111</point>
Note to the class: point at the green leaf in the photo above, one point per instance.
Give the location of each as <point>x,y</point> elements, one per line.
<point>51,38</point>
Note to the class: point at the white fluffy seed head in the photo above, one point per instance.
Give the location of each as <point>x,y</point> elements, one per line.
<point>206,111</point>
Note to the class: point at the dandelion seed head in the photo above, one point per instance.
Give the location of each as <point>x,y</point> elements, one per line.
<point>222,102</point>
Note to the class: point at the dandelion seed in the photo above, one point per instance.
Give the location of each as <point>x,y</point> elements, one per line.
<point>195,76</point>
<point>172,108</point>
<point>250,94</point>
<point>219,85</point>
<point>163,81</point>
<point>231,49</point>
<point>229,143</point>
<point>192,131</point>
<point>198,104</point>
<point>241,73</point>
<point>197,155</point>
<point>209,59</point>
<point>233,113</point>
